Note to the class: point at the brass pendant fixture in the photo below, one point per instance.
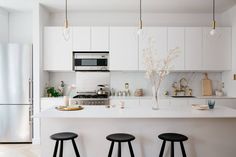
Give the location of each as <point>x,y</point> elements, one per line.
<point>213,30</point>
<point>140,18</point>
<point>66,29</point>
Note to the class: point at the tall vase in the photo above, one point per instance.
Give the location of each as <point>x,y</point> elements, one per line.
<point>155,97</point>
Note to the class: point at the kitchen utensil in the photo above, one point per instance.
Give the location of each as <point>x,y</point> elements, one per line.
<point>206,86</point>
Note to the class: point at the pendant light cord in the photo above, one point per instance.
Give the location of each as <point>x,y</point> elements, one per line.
<point>140,10</point>
<point>214,10</point>
<point>66,10</point>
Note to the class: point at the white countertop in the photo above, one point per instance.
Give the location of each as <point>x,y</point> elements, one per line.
<point>163,97</point>
<point>140,111</point>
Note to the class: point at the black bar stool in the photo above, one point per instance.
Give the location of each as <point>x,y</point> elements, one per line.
<point>120,137</point>
<point>172,137</point>
<point>62,137</point>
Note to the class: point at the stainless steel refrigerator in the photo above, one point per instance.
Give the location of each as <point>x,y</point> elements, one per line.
<point>16,93</point>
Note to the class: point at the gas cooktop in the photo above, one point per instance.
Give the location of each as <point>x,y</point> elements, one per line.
<point>91,96</point>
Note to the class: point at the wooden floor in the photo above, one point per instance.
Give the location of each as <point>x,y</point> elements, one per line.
<point>19,150</point>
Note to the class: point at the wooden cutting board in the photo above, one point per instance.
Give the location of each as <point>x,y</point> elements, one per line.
<point>206,86</point>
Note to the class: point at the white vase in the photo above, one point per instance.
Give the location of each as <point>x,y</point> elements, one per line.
<point>155,97</point>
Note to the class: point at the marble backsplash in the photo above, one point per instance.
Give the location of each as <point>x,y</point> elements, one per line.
<point>138,80</point>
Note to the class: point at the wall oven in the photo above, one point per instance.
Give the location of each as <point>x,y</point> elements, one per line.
<point>90,61</point>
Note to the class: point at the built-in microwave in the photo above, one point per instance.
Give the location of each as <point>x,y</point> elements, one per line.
<point>90,61</point>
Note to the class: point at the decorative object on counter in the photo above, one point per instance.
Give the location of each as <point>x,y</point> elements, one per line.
<point>206,86</point>
<point>69,108</point>
<point>127,89</point>
<point>66,101</point>
<point>157,69</point>
<point>61,87</point>
<point>166,93</point>
<point>122,104</point>
<point>211,104</point>
<point>138,92</point>
<point>181,88</point>
<point>52,92</point>
<point>113,92</point>
<point>70,89</point>
<point>219,90</point>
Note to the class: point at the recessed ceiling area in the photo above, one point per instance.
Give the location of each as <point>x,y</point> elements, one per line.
<point>151,6</point>
<point>155,6</point>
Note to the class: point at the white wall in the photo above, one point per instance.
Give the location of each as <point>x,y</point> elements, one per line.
<point>39,20</point>
<point>4,26</point>
<point>131,19</point>
<point>229,17</point>
<point>20,27</point>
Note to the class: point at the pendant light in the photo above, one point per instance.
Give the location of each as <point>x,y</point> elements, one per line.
<point>66,29</point>
<point>140,18</point>
<point>213,30</point>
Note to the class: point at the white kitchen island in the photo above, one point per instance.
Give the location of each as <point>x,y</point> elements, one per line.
<point>211,133</point>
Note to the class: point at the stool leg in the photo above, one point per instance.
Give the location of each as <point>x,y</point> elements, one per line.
<point>172,149</point>
<point>131,149</point>
<point>182,149</point>
<point>162,149</point>
<point>111,149</point>
<point>55,149</point>
<point>75,148</point>
<point>119,149</point>
<point>61,149</point>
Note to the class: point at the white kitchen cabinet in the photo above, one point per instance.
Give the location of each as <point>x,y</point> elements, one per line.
<point>123,48</point>
<point>159,36</point>
<point>81,38</point>
<point>193,48</point>
<point>176,39</point>
<point>57,51</point>
<point>217,49</point>
<point>100,38</point>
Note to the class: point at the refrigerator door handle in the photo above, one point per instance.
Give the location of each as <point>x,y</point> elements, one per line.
<point>30,91</point>
<point>30,115</point>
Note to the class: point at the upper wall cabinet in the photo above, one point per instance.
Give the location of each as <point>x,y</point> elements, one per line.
<point>57,51</point>
<point>176,39</point>
<point>81,38</point>
<point>90,39</point>
<point>100,39</point>
<point>193,48</point>
<point>123,48</point>
<point>159,37</point>
<point>217,49</point>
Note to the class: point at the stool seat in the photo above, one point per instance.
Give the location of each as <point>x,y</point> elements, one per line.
<point>173,137</point>
<point>120,137</point>
<point>63,136</point>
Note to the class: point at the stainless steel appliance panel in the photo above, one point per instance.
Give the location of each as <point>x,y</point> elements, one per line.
<point>15,123</point>
<point>16,74</point>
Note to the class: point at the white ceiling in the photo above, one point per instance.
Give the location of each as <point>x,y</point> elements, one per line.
<point>155,6</point>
